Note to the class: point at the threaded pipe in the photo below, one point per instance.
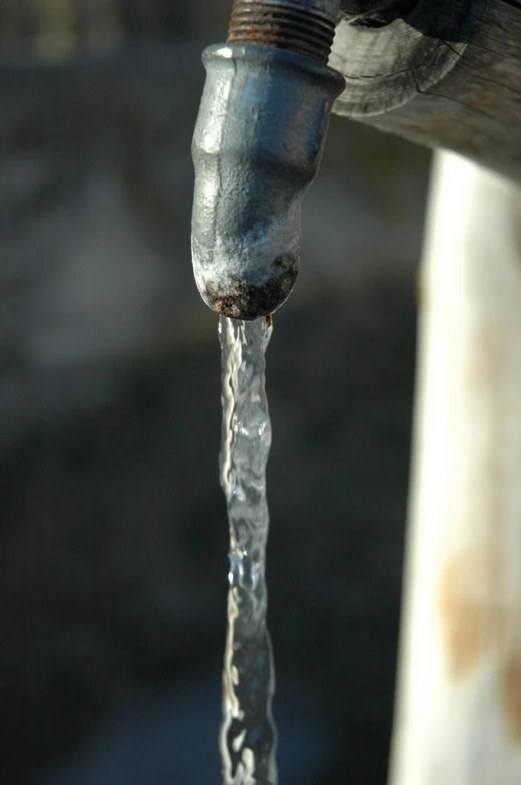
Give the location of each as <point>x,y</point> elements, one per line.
<point>295,27</point>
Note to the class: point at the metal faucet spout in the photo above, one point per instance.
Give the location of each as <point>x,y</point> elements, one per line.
<point>257,146</point>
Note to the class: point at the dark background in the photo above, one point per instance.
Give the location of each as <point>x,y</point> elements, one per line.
<point>112,523</point>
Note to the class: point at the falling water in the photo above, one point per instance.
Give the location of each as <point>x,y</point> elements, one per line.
<point>248,736</point>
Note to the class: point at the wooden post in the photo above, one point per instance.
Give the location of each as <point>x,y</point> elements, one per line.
<point>447,73</point>
<point>458,716</point>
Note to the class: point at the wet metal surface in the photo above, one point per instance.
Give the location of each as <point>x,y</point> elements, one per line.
<point>257,146</point>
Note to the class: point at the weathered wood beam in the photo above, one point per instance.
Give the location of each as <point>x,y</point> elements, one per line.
<point>447,74</point>
<point>444,73</point>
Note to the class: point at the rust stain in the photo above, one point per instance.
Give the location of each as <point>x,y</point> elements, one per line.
<point>282,25</point>
<point>237,298</point>
<point>472,608</point>
<point>485,362</point>
<point>510,686</point>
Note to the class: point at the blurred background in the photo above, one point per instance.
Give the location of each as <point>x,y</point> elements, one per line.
<point>113,526</point>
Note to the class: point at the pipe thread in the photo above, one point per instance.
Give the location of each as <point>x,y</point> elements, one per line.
<point>282,25</point>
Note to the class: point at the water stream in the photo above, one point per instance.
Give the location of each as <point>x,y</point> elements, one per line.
<point>248,735</point>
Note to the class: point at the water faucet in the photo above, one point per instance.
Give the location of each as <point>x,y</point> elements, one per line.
<point>257,146</point>
<point>263,118</point>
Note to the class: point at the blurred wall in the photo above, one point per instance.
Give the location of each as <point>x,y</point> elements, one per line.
<point>112,526</point>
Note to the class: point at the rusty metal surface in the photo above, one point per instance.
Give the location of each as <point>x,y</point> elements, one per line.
<point>248,301</point>
<point>296,28</point>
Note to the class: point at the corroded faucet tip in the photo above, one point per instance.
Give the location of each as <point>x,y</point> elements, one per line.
<point>239,298</point>
<point>257,146</point>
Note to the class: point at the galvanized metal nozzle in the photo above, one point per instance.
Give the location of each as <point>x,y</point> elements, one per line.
<point>257,146</point>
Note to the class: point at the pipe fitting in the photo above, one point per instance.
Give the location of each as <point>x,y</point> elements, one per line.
<point>257,147</point>
<point>297,28</point>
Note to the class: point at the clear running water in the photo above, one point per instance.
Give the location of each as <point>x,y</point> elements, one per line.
<point>248,735</point>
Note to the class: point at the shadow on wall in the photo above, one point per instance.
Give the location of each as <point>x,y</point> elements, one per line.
<point>113,532</point>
